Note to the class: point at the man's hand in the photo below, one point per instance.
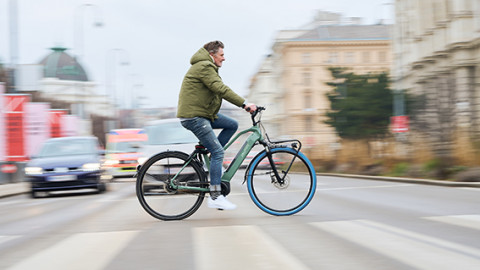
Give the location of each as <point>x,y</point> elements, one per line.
<point>250,107</point>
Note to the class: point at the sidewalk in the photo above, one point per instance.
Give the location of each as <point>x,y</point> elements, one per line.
<point>12,189</point>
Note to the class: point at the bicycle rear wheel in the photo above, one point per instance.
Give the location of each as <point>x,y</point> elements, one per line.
<point>273,197</point>
<point>156,194</point>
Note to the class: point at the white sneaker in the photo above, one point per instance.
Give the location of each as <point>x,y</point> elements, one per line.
<point>221,202</point>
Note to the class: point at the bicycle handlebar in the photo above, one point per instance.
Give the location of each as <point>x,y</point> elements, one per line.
<point>254,114</point>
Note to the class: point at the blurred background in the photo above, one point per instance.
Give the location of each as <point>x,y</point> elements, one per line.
<point>372,89</point>
<point>377,87</point>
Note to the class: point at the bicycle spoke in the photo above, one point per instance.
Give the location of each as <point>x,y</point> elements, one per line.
<point>158,185</point>
<point>287,195</point>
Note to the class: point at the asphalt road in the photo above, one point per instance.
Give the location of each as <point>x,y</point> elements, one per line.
<point>350,224</point>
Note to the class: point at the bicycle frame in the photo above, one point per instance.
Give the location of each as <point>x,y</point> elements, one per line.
<point>243,152</point>
<point>255,136</point>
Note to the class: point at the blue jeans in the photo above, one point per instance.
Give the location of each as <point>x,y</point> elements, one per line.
<point>203,130</point>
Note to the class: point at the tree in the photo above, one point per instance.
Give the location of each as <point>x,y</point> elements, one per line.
<point>361,105</point>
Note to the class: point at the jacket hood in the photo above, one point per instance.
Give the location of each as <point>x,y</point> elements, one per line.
<point>201,55</point>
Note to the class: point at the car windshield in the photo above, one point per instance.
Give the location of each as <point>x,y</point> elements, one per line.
<point>68,147</point>
<point>169,133</point>
<point>124,147</point>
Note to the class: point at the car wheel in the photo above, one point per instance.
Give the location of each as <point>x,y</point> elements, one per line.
<point>102,187</point>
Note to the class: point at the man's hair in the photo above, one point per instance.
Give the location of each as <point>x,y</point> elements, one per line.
<point>213,46</point>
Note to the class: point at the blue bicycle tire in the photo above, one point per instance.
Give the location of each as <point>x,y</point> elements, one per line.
<point>311,181</point>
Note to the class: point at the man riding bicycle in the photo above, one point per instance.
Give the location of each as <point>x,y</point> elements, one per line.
<point>199,101</point>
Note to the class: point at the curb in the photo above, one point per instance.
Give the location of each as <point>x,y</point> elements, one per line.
<point>12,189</point>
<point>407,180</point>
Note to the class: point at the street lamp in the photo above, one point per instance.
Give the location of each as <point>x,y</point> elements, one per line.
<point>78,41</point>
<point>111,58</point>
<point>136,83</point>
<point>398,92</point>
<point>13,16</point>
<point>78,34</point>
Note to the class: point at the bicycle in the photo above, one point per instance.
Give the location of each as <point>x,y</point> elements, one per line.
<point>280,179</point>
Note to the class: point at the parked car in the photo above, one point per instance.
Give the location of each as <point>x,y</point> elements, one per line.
<point>66,163</point>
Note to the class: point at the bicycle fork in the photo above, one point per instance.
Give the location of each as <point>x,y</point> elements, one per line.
<point>279,179</point>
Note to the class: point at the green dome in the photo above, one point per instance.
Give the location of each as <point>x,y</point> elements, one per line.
<point>59,64</point>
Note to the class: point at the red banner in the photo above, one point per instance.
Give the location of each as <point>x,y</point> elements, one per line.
<point>15,130</point>
<point>56,122</point>
<point>3,138</point>
<point>37,126</point>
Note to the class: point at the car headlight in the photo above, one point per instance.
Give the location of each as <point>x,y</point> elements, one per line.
<point>110,162</point>
<point>91,167</point>
<point>33,170</point>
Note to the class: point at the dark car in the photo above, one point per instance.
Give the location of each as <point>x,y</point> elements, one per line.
<point>66,163</point>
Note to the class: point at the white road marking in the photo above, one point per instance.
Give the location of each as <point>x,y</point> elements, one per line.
<point>6,238</point>
<point>468,221</point>
<point>80,251</point>
<point>417,250</point>
<point>240,247</point>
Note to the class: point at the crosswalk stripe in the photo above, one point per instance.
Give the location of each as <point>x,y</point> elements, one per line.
<point>240,247</point>
<point>80,251</point>
<point>6,238</point>
<point>468,221</point>
<point>416,250</point>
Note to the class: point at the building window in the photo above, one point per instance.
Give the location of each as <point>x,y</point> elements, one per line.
<point>308,101</point>
<point>349,57</point>
<point>366,57</point>
<point>382,57</point>
<point>333,58</point>
<point>308,124</point>
<point>307,78</point>
<point>306,58</point>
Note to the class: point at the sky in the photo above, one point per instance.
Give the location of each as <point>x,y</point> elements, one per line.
<point>143,47</point>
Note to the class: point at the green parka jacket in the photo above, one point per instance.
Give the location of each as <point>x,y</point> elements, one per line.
<point>203,90</point>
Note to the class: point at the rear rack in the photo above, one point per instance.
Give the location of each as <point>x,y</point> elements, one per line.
<point>294,143</point>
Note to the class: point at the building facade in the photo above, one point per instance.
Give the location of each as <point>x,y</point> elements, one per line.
<point>437,64</point>
<point>293,79</point>
<point>63,78</point>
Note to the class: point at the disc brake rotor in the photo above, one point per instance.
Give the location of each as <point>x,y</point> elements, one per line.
<point>286,182</point>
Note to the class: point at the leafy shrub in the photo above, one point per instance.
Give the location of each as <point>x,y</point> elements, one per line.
<point>400,169</point>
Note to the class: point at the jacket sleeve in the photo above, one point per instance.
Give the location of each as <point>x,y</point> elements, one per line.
<point>212,80</point>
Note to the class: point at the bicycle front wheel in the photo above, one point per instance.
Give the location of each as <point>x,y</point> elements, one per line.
<point>155,191</point>
<point>274,197</point>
